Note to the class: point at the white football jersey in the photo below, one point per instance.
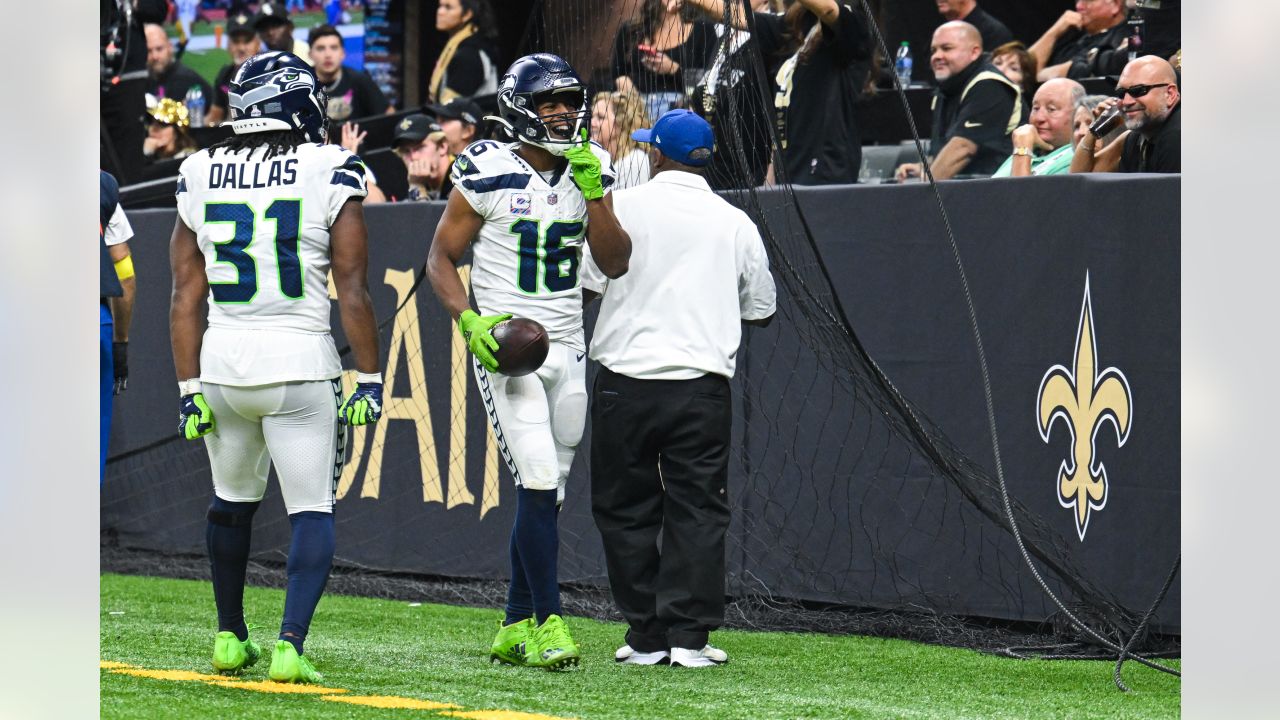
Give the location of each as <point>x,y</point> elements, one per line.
<point>526,258</point>
<point>263,227</point>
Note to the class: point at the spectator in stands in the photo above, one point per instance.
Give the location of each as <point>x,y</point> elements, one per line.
<point>736,100</point>
<point>166,77</point>
<point>993,32</point>
<point>1084,118</point>
<point>352,93</point>
<point>614,116</point>
<point>421,145</point>
<point>975,108</point>
<point>466,66</point>
<point>1018,65</point>
<point>1071,45</point>
<point>352,138</point>
<point>242,43</point>
<point>276,30</point>
<point>167,136</point>
<point>124,88</point>
<point>1161,35</point>
<point>660,54</point>
<point>827,46</point>
<point>462,121</point>
<point>1151,101</point>
<point>1043,146</point>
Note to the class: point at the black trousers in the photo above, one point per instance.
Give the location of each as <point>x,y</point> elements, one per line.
<point>659,471</point>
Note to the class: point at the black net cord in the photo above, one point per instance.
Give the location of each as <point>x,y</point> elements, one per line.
<point>1142,626</point>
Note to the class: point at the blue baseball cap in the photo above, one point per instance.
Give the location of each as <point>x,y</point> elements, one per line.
<point>681,135</point>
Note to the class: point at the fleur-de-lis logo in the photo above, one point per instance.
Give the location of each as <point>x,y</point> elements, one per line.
<point>1085,400</point>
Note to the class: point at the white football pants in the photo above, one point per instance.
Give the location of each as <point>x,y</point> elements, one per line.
<point>293,424</point>
<point>538,418</point>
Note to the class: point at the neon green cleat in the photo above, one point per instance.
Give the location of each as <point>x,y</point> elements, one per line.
<point>290,667</point>
<point>551,646</point>
<point>230,656</point>
<point>509,644</point>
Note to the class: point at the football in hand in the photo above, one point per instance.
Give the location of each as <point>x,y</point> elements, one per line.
<point>522,346</point>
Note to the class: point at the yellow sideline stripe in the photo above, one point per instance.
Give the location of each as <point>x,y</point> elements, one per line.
<point>499,715</point>
<point>389,702</point>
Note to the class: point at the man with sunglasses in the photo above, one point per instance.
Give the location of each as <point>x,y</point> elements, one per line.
<point>1150,100</point>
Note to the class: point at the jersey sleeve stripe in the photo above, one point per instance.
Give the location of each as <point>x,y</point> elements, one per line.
<point>346,177</point>
<point>512,181</point>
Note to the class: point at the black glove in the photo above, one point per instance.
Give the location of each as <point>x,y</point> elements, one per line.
<point>120,365</point>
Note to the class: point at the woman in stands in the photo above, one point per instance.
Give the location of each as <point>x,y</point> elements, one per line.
<point>662,53</point>
<point>466,66</point>
<point>1013,60</point>
<point>167,136</point>
<point>614,116</point>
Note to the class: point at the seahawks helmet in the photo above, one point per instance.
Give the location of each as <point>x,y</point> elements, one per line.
<point>278,91</point>
<point>531,80</point>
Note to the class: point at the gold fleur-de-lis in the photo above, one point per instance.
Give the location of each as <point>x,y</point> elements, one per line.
<point>1086,400</point>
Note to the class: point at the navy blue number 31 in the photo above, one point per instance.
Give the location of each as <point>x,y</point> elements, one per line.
<point>287,215</point>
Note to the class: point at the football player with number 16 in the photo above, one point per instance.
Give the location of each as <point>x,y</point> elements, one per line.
<point>527,210</point>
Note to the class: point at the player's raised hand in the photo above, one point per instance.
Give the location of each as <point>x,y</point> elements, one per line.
<point>477,332</point>
<point>195,419</point>
<point>364,406</point>
<point>585,167</point>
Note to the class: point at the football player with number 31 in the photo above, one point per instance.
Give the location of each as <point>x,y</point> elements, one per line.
<point>524,208</point>
<point>262,218</point>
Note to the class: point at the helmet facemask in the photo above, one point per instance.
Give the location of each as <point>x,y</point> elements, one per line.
<point>556,132</point>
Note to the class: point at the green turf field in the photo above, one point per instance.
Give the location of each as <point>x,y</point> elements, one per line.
<point>397,654</point>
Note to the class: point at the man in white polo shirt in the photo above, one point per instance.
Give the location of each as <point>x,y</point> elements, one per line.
<point>661,411</point>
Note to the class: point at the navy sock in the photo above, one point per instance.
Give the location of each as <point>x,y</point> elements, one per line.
<point>227,539</point>
<point>539,540</point>
<point>310,558</point>
<point>519,596</point>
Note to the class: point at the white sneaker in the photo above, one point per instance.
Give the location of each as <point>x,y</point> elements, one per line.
<point>630,656</point>
<point>706,657</point>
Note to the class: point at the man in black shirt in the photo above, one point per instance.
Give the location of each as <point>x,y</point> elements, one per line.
<point>817,87</point>
<point>352,94</point>
<point>994,33</point>
<point>1149,96</point>
<point>975,108</point>
<point>166,77</point>
<point>1071,46</point>
<point>124,92</point>
<point>242,43</point>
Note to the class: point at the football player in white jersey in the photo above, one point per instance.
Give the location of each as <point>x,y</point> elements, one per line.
<point>262,218</point>
<point>526,209</point>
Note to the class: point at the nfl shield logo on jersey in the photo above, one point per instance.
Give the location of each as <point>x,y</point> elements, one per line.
<point>552,199</point>
<point>521,203</point>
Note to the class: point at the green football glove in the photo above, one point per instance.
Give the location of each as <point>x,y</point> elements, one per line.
<point>586,169</point>
<point>475,331</point>
<point>195,419</point>
<point>364,406</point>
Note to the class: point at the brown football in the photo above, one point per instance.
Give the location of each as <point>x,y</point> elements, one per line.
<point>522,346</point>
